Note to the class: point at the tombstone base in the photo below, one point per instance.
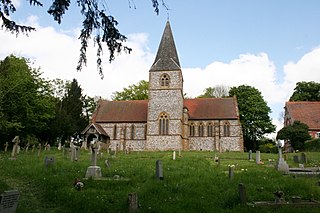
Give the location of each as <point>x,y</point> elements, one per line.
<point>93,172</point>
<point>282,165</point>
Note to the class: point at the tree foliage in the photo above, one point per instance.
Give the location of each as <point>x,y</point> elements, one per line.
<point>306,91</point>
<point>254,114</point>
<point>296,134</point>
<point>96,24</point>
<point>26,103</point>
<point>133,92</point>
<point>219,91</point>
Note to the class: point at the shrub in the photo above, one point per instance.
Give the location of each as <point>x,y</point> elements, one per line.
<point>312,145</point>
<point>268,148</point>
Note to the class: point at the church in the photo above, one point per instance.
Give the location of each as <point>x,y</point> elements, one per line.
<point>167,121</point>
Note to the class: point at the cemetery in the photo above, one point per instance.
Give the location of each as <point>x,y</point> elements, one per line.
<point>60,179</point>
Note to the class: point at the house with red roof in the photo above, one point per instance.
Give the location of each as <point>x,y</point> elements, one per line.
<point>167,121</point>
<point>307,112</point>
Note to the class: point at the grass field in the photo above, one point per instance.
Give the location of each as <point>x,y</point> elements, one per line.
<point>193,182</point>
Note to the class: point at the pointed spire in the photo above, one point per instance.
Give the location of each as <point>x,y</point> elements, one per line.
<point>167,57</point>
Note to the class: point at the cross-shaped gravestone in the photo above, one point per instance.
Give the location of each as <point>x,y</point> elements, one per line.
<point>281,163</point>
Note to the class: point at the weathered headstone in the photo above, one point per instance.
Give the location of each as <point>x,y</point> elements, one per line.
<point>231,172</point>
<point>258,157</point>
<point>107,163</point>
<point>303,158</point>
<point>296,159</point>
<point>9,201</point>
<point>133,202</point>
<point>15,142</point>
<point>48,161</point>
<point>59,146</point>
<point>242,193</point>
<point>174,155</point>
<point>39,149</point>
<point>27,146</point>
<point>250,155</point>
<point>6,146</point>
<point>159,170</point>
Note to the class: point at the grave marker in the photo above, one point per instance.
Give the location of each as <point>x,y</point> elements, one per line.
<point>9,201</point>
<point>231,172</point>
<point>250,155</point>
<point>159,170</point>
<point>303,158</point>
<point>15,142</point>
<point>133,202</point>
<point>281,164</point>
<point>174,155</point>
<point>258,157</point>
<point>49,161</point>
<point>94,171</point>
<point>6,146</point>
<point>242,193</point>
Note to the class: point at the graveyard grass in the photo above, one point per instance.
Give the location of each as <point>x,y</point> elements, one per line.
<point>193,182</point>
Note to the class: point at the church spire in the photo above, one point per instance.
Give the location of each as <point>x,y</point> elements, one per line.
<point>167,57</point>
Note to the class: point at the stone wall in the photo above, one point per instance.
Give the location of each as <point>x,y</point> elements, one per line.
<point>163,142</point>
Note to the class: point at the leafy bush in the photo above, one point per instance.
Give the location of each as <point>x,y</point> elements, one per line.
<point>312,145</point>
<point>268,148</point>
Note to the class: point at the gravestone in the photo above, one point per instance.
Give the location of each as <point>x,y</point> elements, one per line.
<point>174,155</point>
<point>59,146</point>
<point>303,158</point>
<point>242,193</point>
<point>48,161</point>
<point>15,142</point>
<point>296,159</point>
<point>27,146</point>
<point>231,172</point>
<point>33,147</point>
<point>107,163</point>
<point>94,171</point>
<point>39,149</point>
<point>281,164</point>
<point>9,201</point>
<point>250,155</point>
<point>159,170</point>
<point>6,146</point>
<point>258,157</point>
<point>133,202</point>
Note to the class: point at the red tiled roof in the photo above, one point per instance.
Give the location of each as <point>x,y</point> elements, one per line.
<point>97,127</point>
<point>212,108</point>
<point>121,111</point>
<point>137,110</point>
<point>305,112</point>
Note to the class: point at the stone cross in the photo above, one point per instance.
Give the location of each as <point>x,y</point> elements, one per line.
<point>16,142</point>
<point>94,156</point>
<point>279,149</point>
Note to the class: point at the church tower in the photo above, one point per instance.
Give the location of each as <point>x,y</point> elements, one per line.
<point>165,107</point>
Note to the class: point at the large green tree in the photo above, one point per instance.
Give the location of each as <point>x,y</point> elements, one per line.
<point>218,91</point>
<point>254,114</point>
<point>133,92</point>
<point>26,101</point>
<point>97,24</point>
<point>306,91</point>
<point>296,134</point>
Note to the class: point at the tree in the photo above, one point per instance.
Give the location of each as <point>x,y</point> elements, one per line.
<point>96,23</point>
<point>306,91</point>
<point>296,134</point>
<point>219,91</point>
<point>133,92</point>
<point>26,102</point>
<point>254,115</point>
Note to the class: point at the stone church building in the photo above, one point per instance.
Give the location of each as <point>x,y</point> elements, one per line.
<point>167,121</point>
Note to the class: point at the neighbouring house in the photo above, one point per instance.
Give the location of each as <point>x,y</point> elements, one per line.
<point>167,121</point>
<point>307,112</point>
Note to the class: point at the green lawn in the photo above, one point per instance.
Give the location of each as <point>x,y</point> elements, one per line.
<point>192,183</point>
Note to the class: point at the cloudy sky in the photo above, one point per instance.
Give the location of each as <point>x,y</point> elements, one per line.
<point>268,44</point>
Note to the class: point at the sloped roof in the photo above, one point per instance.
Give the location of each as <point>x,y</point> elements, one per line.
<point>167,57</point>
<point>212,108</point>
<point>121,111</point>
<point>137,110</point>
<point>97,127</point>
<point>305,112</point>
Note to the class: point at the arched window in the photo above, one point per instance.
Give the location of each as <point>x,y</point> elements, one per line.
<point>226,129</point>
<point>163,124</point>
<point>191,129</point>
<point>201,130</point>
<point>115,132</point>
<point>210,130</point>
<point>164,80</point>
<point>132,132</point>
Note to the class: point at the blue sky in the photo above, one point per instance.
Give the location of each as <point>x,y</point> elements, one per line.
<point>268,44</point>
